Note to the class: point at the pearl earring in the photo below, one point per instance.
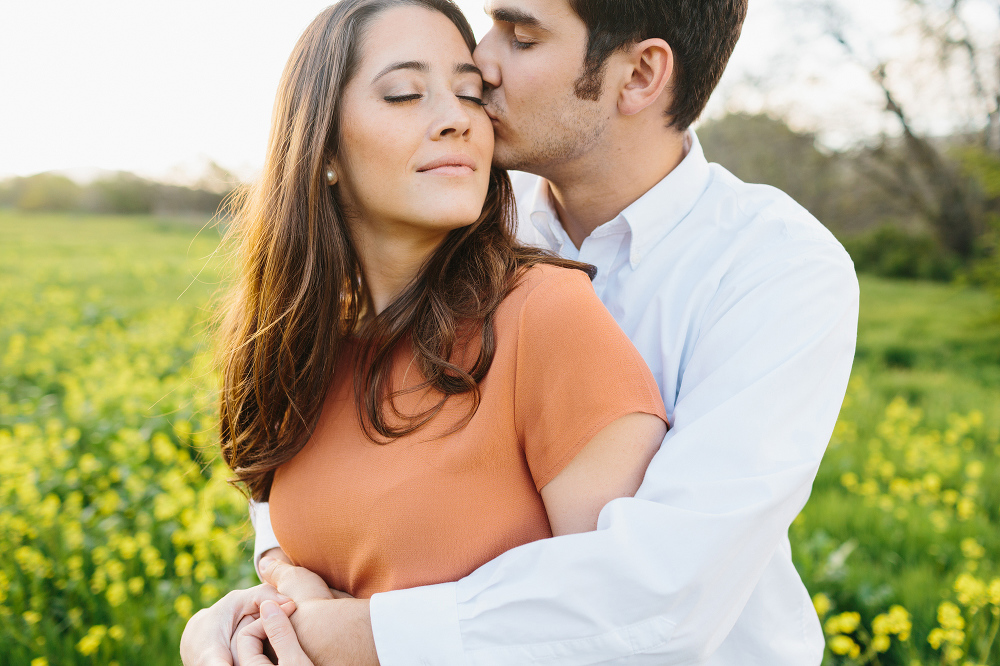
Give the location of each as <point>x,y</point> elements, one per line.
<point>331,176</point>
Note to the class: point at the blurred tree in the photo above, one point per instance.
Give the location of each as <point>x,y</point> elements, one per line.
<point>122,192</point>
<point>763,149</point>
<point>984,167</point>
<point>892,252</point>
<point>914,167</point>
<point>43,191</point>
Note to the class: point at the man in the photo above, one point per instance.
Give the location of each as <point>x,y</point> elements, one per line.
<point>742,304</point>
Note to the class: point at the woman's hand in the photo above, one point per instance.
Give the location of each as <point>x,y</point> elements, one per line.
<point>274,626</point>
<point>331,627</point>
<point>206,640</point>
<point>296,582</point>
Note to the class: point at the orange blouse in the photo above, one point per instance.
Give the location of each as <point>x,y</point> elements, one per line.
<point>431,507</point>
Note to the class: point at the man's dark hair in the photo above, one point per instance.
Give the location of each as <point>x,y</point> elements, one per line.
<point>701,33</point>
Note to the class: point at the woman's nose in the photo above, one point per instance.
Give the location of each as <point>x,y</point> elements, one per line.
<point>453,118</point>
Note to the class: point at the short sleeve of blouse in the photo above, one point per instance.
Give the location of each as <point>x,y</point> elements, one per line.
<point>576,373</point>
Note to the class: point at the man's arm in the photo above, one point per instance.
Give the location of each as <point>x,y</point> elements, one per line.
<point>667,573</point>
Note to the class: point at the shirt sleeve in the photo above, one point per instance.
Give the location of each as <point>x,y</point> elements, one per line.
<point>264,539</point>
<point>667,573</point>
<point>577,372</point>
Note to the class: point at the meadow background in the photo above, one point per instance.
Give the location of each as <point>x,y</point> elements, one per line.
<point>116,521</point>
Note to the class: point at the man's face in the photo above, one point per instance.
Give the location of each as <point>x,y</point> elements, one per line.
<point>532,62</point>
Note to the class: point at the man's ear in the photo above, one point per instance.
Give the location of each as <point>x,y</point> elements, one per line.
<point>650,66</point>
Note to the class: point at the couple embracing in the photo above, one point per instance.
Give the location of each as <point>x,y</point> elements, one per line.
<point>563,415</point>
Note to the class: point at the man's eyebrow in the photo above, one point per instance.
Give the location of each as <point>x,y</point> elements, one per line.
<point>515,16</point>
<point>410,64</point>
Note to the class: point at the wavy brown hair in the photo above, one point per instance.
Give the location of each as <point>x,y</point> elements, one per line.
<point>301,290</point>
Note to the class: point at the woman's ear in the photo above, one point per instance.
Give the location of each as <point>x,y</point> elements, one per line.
<point>651,67</point>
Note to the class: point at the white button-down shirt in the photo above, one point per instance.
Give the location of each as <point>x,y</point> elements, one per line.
<point>745,308</point>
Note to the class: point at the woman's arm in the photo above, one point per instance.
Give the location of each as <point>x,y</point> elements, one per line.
<point>609,466</point>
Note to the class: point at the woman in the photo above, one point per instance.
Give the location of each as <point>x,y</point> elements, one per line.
<point>411,390</point>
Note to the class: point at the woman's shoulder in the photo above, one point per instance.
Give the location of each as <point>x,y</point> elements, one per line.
<point>546,292</point>
<point>543,282</point>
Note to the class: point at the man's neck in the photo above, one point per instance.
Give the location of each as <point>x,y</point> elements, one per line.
<point>596,188</point>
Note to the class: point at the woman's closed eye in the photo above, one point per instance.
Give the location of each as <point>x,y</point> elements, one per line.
<point>398,99</point>
<point>395,99</point>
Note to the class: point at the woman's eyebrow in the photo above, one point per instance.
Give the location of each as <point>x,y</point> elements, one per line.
<point>417,66</point>
<point>468,68</point>
<point>409,64</point>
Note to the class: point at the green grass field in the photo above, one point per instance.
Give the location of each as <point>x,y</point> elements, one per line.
<point>116,521</point>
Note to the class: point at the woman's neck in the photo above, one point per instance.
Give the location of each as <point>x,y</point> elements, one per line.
<point>391,258</point>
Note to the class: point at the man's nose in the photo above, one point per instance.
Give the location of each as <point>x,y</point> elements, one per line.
<point>486,60</point>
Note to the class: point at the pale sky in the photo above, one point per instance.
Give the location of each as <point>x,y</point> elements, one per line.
<point>160,88</point>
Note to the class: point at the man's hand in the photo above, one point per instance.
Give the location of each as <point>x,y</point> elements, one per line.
<point>333,628</point>
<point>273,625</point>
<point>206,640</point>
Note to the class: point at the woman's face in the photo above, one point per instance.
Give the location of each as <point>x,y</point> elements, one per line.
<point>416,144</point>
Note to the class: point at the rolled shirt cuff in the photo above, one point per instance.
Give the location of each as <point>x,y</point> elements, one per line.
<point>417,626</point>
<point>260,518</point>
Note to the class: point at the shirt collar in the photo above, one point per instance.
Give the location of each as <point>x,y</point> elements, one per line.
<point>650,217</point>
<point>542,214</point>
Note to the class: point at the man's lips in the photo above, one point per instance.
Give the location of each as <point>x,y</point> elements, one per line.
<point>449,165</point>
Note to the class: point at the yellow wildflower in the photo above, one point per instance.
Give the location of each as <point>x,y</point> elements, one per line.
<point>965,508</point>
<point>845,623</point>
<point>900,622</point>
<point>116,594</point>
<point>950,616</point>
<point>841,644</point>
<point>89,644</point>
<point>971,592</point>
<point>136,585</point>
<point>822,604</point>
<point>183,564</point>
<point>972,549</point>
<point>994,591</point>
<point>184,606</point>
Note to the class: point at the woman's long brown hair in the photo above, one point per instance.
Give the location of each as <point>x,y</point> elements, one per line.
<point>301,290</point>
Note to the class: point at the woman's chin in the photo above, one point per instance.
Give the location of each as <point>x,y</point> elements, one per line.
<point>449,217</point>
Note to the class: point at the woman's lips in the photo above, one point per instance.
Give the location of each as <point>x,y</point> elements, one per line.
<point>450,165</point>
<point>449,170</point>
